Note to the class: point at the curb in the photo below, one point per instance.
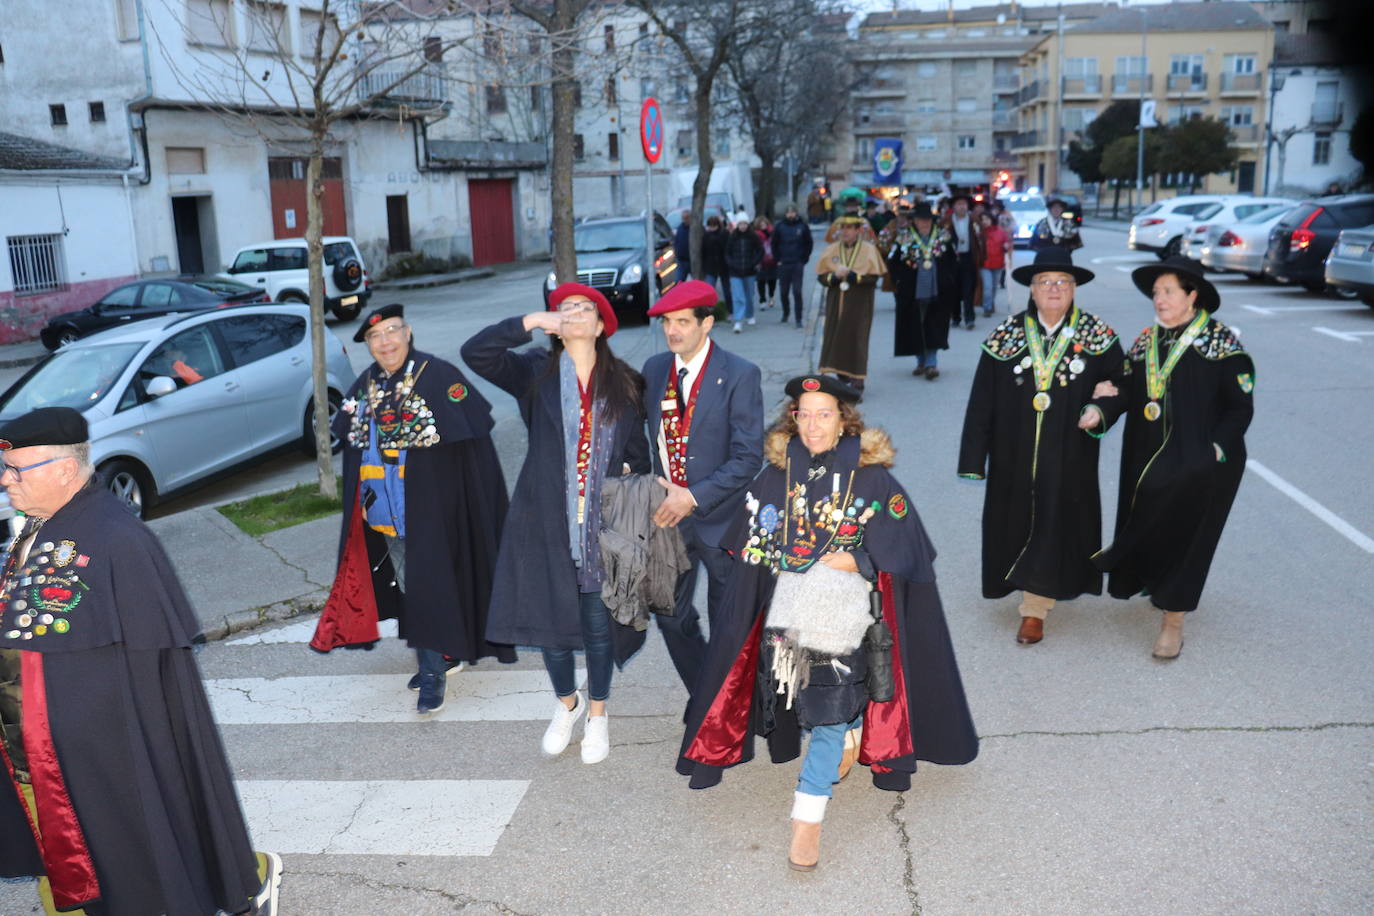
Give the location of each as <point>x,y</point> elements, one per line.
<point>259,616</point>
<point>480,273</point>
<point>15,362</point>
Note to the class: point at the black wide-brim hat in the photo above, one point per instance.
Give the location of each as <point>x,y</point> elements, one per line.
<point>1207,296</point>
<point>1052,260</point>
<point>825,384</point>
<point>922,211</point>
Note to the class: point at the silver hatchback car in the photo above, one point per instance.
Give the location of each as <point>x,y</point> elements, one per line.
<point>173,401</point>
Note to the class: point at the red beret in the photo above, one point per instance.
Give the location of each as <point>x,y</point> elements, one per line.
<point>689,295</point>
<point>602,305</point>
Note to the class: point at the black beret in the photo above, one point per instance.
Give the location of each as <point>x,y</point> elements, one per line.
<point>824,384</point>
<point>45,426</point>
<point>382,313</point>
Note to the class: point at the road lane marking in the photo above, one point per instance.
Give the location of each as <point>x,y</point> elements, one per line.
<point>471,696</point>
<point>441,817</point>
<point>1347,336</point>
<point>300,631</point>
<point>1346,530</point>
<point>1273,309</point>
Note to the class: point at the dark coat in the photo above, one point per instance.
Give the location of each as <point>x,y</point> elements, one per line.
<point>713,253</point>
<point>534,600</point>
<point>1175,495</point>
<point>682,247</point>
<point>455,505</point>
<point>1042,512</point>
<point>927,719</point>
<point>132,785</point>
<point>743,253</point>
<point>922,326</point>
<point>792,241</point>
<point>725,448</point>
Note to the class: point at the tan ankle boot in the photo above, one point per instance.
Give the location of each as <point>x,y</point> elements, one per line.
<point>807,813</point>
<point>1170,641</point>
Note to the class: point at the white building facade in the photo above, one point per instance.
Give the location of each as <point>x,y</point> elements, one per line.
<point>1315,103</point>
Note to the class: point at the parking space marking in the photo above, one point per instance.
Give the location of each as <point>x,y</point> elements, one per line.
<point>1333,307</point>
<point>1344,528</point>
<point>440,817</point>
<point>1347,336</point>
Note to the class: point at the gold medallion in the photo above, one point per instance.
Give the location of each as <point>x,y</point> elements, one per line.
<point>844,286</point>
<point>1041,401</point>
<point>1152,411</point>
<point>927,264</point>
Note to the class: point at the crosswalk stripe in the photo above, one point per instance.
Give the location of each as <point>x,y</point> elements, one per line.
<point>449,817</point>
<point>471,696</point>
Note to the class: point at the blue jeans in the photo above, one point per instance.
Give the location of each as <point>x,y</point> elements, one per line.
<point>790,276</point>
<point>742,296</point>
<point>722,282</point>
<point>596,640</point>
<point>821,766</point>
<point>989,289</point>
<point>930,359</point>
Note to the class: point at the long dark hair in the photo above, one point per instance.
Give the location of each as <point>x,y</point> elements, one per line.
<point>614,383</point>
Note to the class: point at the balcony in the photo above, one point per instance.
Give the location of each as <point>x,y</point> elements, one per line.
<point>1028,92</point>
<point>392,87</point>
<point>1083,86</point>
<point>1003,119</point>
<point>1027,139</point>
<point>1246,133</point>
<point>1005,82</point>
<point>1003,157</point>
<point>1327,114</point>
<point>878,123</point>
<point>1132,84</point>
<point>1188,83</point>
<point>1240,84</point>
<point>881,87</point>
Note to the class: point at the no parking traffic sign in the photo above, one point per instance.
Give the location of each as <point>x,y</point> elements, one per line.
<point>651,129</point>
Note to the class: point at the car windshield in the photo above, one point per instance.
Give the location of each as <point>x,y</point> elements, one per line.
<point>1025,203</point>
<point>608,236</point>
<point>75,378</point>
<point>1267,215</point>
<point>1207,211</point>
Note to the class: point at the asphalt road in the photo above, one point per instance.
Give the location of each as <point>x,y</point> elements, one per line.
<point>1236,779</point>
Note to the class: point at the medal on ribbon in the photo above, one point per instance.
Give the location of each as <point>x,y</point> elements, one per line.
<point>1157,376</point>
<point>1042,364</point>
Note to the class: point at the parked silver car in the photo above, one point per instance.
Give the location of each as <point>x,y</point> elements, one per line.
<point>1241,245</point>
<point>1222,214</point>
<point>1350,265</point>
<point>173,401</point>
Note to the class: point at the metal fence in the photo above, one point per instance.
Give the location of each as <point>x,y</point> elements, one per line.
<point>36,263</point>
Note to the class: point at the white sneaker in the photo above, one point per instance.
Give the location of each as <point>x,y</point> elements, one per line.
<point>559,732</point>
<point>596,740</point>
<point>738,328</point>
<point>752,322</point>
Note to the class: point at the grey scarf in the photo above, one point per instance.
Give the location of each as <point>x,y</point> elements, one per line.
<point>583,549</point>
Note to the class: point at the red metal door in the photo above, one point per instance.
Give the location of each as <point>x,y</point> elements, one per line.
<point>287,181</point>
<point>490,201</point>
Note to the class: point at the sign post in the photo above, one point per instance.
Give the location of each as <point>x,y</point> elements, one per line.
<point>651,133</point>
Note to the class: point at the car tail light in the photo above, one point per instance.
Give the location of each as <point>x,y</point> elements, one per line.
<point>1302,236</point>
<point>1200,230</point>
<point>1228,239</point>
<point>367,280</point>
<point>1151,222</point>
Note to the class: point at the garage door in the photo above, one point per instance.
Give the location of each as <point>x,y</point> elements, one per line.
<point>491,203</point>
<point>287,178</point>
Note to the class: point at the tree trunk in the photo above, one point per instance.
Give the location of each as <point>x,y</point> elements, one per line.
<point>706,163</point>
<point>314,242</point>
<point>765,199</point>
<point>1116,197</point>
<point>561,176</point>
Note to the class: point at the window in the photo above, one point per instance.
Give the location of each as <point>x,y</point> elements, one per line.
<point>579,148</point>
<point>686,143</point>
<point>927,68</point>
<point>609,33</point>
<point>254,337</point>
<point>186,160</point>
<point>496,99</point>
<point>58,115</point>
<point>1131,66</point>
<point>121,296</point>
<point>254,259</point>
<point>1238,116</point>
<point>1185,64</point>
<point>1240,63</point>
<point>187,358</point>
<point>647,88</point>
<point>1321,148</point>
<point>610,90</point>
<point>36,263</point>
<point>266,27</point>
<point>863,151</point>
<point>966,141</point>
<point>397,223</point>
<point>97,111</point>
<point>613,146</point>
<point>211,22</point>
<point>925,106</point>
<point>1080,67</point>
<point>159,295</point>
<point>126,19</point>
<point>491,42</point>
<point>966,105</point>
<point>292,258</point>
<point>965,69</point>
<point>311,25</point>
<point>434,49</point>
<point>335,252</point>
<point>1281,27</point>
<point>536,99</point>
<point>926,143</point>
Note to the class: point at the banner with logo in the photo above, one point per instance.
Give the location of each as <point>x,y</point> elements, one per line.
<point>887,162</point>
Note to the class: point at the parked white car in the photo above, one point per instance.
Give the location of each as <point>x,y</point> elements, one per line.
<point>281,267</point>
<point>1241,246</point>
<point>1159,227</point>
<point>1222,214</point>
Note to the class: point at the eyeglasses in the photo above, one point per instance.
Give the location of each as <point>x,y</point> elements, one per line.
<point>824,416</point>
<point>18,472</point>
<point>1053,284</point>
<point>575,307</point>
<point>382,333</point>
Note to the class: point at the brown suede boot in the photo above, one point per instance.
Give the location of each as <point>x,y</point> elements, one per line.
<point>1170,641</point>
<point>805,850</point>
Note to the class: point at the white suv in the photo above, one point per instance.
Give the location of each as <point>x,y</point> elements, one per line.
<point>1159,227</point>
<point>280,267</point>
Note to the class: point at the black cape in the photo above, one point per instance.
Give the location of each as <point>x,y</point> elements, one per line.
<point>455,504</point>
<point>922,325</point>
<point>133,791</point>
<point>1042,512</point>
<point>927,719</point>
<point>1175,493</point>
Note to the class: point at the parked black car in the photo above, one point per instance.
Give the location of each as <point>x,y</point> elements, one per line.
<point>147,299</point>
<point>611,258</point>
<point>1073,206</point>
<point>1300,242</point>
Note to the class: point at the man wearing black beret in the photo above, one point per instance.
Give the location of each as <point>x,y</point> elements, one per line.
<point>115,786</point>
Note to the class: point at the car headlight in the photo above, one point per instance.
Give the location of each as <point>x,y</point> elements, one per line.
<point>551,281</point>
<point>633,274</point>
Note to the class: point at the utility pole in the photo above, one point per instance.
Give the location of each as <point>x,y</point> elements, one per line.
<point>1059,104</point>
<point>1140,119</point>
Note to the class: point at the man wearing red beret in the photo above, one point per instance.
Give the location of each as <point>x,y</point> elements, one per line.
<point>704,409</point>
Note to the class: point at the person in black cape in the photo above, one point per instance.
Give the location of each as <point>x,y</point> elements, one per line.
<point>424,504</point>
<point>115,786</point>
<point>827,499</point>
<point>924,272</point>
<point>1031,430</point>
<point>581,407</point>
<point>1190,387</point>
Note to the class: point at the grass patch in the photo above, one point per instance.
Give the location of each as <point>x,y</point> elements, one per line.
<point>271,511</point>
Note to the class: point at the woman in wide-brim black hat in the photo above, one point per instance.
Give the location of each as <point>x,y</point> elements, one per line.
<point>1189,385</point>
<point>1032,430</point>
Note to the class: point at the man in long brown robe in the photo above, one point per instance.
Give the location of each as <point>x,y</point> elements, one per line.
<point>850,269</point>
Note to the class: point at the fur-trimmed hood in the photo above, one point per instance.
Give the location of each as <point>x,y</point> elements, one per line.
<point>875,447</point>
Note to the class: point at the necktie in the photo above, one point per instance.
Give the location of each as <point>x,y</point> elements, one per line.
<point>681,395</point>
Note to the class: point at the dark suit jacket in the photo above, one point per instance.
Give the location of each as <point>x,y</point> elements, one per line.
<point>725,448</point>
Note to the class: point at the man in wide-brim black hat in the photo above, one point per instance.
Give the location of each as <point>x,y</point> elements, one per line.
<point>1054,230</point>
<point>1188,385</point>
<point>921,261</point>
<point>1032,430</point>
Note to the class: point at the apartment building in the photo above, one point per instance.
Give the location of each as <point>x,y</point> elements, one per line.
<point>1192,59</point>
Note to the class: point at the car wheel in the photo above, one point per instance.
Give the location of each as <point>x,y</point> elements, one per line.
<point>348,274</point>
<point>1174,247</point>
<point>129,483</point>
<point>308,426</point>
<point>67,335</point>
<point>1342,292</point>
<point>348,312</point>
<point>294,297</point>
